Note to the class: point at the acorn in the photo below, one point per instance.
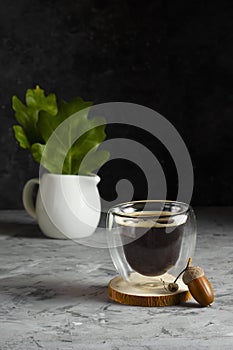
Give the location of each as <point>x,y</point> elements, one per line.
<point>173,287</point>
<point>199,286</point>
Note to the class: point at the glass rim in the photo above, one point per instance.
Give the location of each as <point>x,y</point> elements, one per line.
<point>186,209</point>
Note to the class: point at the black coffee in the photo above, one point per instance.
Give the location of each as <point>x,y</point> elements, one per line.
<point>157,249</point>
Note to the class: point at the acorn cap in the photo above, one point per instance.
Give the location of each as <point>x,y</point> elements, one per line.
<point>192,273</point>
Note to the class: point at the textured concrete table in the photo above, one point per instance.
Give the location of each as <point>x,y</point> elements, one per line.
<point>53,294</point>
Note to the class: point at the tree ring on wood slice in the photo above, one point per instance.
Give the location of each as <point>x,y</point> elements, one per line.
<point>138,292</point>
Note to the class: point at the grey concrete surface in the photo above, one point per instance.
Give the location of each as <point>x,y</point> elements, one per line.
<point>53,294</point>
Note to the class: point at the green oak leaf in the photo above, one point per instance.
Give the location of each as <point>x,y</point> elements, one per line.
<point>47,125</point>
<point>28,115</point>
<point>36,99</point>
<point>66,127</point>
<point>21,137</point>
<point>37,150</point>
<point>39,154</point>
<point>93,160</point>
<point>86,143</point>
<point>60,137</point>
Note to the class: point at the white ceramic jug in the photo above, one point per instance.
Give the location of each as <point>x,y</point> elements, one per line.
<point>67,206</point>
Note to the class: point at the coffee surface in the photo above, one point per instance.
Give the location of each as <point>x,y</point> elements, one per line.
<point>158,244</point>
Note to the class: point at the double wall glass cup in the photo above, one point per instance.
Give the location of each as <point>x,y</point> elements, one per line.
<point>150,242</point>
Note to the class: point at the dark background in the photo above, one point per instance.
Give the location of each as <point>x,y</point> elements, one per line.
<point>175,57</point>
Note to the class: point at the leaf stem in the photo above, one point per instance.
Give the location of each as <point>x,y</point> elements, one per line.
<point>187,266</point>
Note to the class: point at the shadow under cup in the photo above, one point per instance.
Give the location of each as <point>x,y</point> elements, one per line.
<point>152,236</point>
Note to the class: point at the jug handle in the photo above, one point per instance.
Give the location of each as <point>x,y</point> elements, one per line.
<point>27,197</point>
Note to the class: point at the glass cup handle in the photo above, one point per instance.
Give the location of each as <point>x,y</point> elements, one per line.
<point>27,197</point>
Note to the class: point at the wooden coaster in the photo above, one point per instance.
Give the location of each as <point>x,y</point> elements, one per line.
<point>139,293</point>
